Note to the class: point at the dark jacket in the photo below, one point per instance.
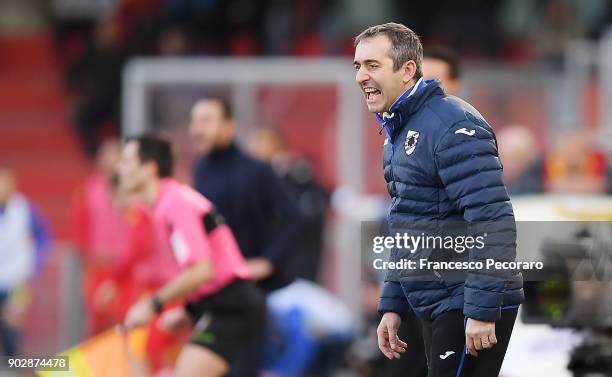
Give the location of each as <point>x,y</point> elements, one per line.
<point>255,204</point>
<point>442,171</point>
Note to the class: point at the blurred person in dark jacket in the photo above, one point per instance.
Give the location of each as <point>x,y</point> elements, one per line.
<point>269,145</point>
<point>24,246</point>
<point>443,64</point>
<point>257,207</point>
<point>247,192</point>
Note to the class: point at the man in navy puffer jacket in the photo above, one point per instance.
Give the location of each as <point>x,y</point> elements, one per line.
<point>444,176</point>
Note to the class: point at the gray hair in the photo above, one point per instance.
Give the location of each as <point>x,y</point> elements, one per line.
<point>405,44</point>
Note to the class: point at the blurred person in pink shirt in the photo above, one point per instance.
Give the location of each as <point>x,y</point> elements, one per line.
<point>139,272</point>
<point>115,236</point>
<point>210,274</point>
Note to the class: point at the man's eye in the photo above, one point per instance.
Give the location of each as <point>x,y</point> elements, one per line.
<point>356,68</point>
<point>373,66</point>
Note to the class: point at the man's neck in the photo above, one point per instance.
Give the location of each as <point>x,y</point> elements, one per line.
<point>151,192</point>
<point>405,88</point>
<point>221,147</point>
<point>225,144</point>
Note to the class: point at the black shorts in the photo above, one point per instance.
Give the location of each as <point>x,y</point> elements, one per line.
<point>228,320</point>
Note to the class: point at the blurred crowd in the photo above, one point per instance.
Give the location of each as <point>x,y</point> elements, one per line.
<point>573,163</point>
<point>97,38</point>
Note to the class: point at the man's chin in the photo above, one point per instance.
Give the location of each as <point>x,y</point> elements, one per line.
<point>375,108</point>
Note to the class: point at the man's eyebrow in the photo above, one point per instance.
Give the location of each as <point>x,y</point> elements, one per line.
<point>367,61</point>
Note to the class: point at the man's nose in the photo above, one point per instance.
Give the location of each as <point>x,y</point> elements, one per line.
<point>361,76</point>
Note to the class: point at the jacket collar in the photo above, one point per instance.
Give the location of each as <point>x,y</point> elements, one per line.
<point>407,104</point>
<point>420,84</point>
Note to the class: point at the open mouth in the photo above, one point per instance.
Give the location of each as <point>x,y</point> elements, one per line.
<point>371,94</point>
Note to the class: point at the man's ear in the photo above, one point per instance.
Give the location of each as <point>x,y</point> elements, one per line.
<point>408,71</point>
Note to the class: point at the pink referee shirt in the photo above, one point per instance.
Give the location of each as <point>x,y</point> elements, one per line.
<point>179,219</point>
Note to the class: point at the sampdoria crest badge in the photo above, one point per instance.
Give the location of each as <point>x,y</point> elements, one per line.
<point>411,140</point>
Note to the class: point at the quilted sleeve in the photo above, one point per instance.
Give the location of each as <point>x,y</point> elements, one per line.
<point>471,172</point>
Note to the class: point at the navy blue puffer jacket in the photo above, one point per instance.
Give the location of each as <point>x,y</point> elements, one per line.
<point>441,166</point>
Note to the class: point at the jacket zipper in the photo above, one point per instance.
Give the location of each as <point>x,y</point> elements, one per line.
<point>390,134</point>
<point>391,162</point>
